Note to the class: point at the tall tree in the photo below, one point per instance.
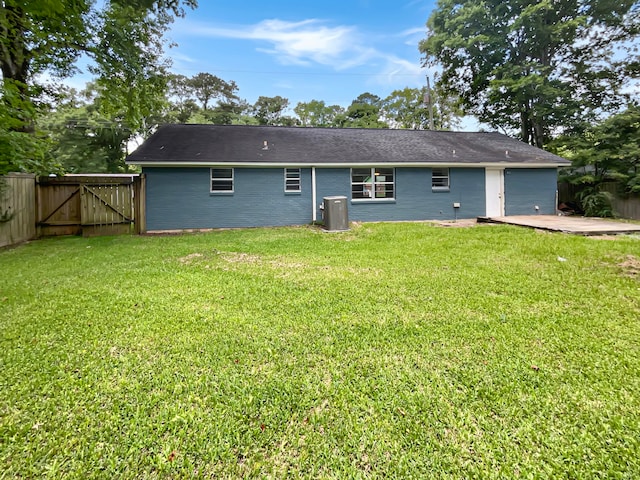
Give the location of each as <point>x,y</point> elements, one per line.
<point>406,109</point>
<point>123,38</point>
<point>270,110</point>
<point>534,67</point>
<point>82,138</point>
<point>364,112</point>
<point>607,151</point>
<point>180,99</point>
<point>207,87</point>
<point>317,113</point>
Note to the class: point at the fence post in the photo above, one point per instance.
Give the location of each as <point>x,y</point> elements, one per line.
<point>139,198</point>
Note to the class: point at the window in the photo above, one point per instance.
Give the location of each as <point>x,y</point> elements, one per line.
<point>372,183</point>
<point>222,180</point>
<point>440,179</point>
<point>291,179</point>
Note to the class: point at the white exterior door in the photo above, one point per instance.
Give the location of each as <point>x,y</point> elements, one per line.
<point>494,187</point>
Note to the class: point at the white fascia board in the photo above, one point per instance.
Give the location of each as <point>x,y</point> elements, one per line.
<point>352,165</point>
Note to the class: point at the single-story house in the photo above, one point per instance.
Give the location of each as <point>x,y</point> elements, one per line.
<point>216,176</point>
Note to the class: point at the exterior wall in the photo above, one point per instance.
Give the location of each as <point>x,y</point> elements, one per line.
<point>524,188</point>
<point>414,199</point>
<point>179,198</point>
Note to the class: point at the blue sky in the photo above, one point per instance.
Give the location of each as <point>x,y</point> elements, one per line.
<point>324,50</point>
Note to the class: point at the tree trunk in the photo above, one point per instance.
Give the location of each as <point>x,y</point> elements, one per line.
<point>538,133</point>
<point>15,58</point>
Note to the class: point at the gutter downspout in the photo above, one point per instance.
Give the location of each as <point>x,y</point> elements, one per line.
<point>314,215</point>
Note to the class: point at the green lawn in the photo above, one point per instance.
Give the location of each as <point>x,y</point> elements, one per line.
<point>392,350</point>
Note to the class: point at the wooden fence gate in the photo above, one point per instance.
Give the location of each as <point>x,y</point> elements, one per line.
<point>91,205</point>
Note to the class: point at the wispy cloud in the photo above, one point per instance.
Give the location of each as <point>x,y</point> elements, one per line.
<point>298,43</point>
<point>315,42</point>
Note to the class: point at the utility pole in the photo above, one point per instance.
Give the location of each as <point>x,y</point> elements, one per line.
<point>428,102</point>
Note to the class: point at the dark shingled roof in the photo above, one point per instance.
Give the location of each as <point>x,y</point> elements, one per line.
<point>241,144</point>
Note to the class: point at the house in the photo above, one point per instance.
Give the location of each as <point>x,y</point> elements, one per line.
<point>213,176</point>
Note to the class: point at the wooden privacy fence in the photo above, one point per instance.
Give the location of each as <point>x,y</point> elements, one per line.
<point>90,205</point>
<point>17,208</point>
<point>33,207</point>
<point>624,206</point>
<point>627,206</point>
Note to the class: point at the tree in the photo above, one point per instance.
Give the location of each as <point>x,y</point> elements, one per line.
<point>317,114</point>
<point>82,138</point>
<point>364,112</point>
<point>269,110</point>
<point>603,153</point>
<point>207,87</point>
<point>608,151</point>
<point>124,39</point>
<point>533,67</point>
<point>182,105</point>
<point>406,109</point>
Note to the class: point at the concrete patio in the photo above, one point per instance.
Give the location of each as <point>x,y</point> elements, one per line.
<point>567,224</point>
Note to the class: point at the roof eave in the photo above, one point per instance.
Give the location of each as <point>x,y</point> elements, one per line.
<point>352,164</point>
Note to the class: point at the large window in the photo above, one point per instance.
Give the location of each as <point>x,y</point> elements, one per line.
<point>372,183</point>
<point>291,179</point>
<point>222,180</point>
<point>440,179</point>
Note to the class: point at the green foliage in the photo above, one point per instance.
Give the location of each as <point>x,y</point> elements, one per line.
<point>390,351</point>
<point>406,108</point>
<point>82,138</point>
<point>21,148</point>
<point>317,113</point>
<point>364,112</point>
<point>207,87</point>
<point>533,67</point>
<point>606,152</point>
<point>123,39</point>
<point>270,110</point>
<point>595,203</point>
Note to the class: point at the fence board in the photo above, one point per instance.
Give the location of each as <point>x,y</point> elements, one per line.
<point>58,207</point>
<point>17,204</point>
<point>91,205</point>
<point>624,206</point>
<point>70,205</point>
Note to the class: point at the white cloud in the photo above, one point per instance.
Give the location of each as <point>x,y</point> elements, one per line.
<point>297,43</point>
<point>313,42</point>
<point>413,32</point>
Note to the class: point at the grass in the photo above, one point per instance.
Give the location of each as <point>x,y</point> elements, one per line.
<point>390,351</point>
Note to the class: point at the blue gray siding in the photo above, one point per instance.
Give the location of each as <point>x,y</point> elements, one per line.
<point>179,198</point>
<point>524,188</point>
<point>414,199</point>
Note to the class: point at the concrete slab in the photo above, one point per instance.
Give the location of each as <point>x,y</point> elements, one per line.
<point>567,224</point>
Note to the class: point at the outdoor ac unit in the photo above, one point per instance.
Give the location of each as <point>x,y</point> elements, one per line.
<point>336,216</point>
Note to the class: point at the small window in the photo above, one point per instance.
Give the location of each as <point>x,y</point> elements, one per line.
<point>222,180</point>
<point>372,183</point>
<point>440,179</point>
<point>292,180</point>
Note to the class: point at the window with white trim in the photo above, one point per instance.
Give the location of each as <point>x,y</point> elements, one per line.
<point>222,180</point>
<point>372,183</point>
<point>440,179</point>
<point>292,180</point>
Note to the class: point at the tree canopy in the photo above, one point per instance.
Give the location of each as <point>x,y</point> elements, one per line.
<point>536,68</point>
<point>123,40</point>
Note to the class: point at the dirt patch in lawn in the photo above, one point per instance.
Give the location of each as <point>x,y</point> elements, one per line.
<point>235,257</point>
<point>464,223</point>
<point>630,266</point>
<point>190,258</point>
